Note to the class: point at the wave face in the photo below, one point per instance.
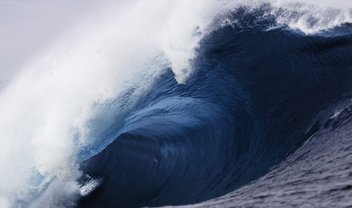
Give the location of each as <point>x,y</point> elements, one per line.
<point>255,95</point>
<point>172,103</point>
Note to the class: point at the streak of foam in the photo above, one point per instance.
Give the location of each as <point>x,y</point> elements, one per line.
<point>90,186</point>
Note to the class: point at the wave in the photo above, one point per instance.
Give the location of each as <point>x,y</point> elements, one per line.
<point>170,102</point>
<point>253,98</point>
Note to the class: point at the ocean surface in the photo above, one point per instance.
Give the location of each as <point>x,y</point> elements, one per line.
<point>196,104</point>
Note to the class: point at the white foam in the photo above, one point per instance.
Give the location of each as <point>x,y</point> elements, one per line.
<point>46,112</point>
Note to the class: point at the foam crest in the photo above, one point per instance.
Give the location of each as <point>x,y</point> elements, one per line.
<point>312,16</point>
<point>309,17</point>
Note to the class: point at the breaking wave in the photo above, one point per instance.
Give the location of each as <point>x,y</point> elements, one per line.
<point>171,103</point>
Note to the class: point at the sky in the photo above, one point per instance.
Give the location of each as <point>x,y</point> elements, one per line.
<point>28,26</point>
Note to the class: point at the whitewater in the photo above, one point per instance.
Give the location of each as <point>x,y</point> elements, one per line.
<point>120,93</point>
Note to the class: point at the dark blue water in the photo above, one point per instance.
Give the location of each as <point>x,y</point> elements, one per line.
<point>255,95</point>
